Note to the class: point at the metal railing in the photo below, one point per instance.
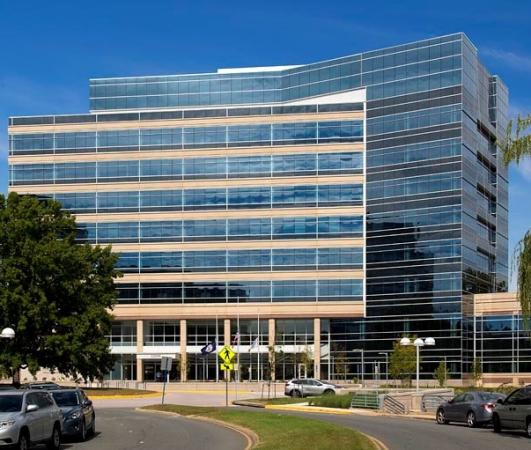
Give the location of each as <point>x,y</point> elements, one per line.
<point>430,402</point>
<point>366,399</point>
<point>393,406</point>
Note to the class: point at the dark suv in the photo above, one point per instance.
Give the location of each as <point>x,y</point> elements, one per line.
<point>514,412</point>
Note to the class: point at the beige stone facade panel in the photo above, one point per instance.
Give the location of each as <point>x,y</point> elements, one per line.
<point>169,123</point>
<point>221,245</point>
<point>222,214</point>
<point>180,153</point>
<point>242,310</point>
<point>496,303</point>
<point>188,184</point>
<point>164,277</point>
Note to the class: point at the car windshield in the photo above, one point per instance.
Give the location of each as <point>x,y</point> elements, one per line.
<point>10,403</point>
<point>65,398</point>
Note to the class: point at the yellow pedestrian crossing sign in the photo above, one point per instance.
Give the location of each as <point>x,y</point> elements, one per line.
<point>226,354</point>
<point>226,366</point>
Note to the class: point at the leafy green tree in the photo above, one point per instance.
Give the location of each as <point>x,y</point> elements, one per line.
<point>55,293</point>
<point>477,371</point>
<point>516,146</point>
<point>402,362</point>
<point>306,358</point>
<point>341,364</point>
<point>441,373</point>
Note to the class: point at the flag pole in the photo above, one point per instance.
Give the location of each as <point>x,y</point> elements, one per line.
<point>258,371</point>
<point>238,349</point>
<point>217,352</point>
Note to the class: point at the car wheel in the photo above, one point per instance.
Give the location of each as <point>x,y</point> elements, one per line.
<point>55,441</point>
<point>83,431</point>
<point>23,441</point>
<point>92,430</point>
<point>296,393</point>
<point>496,425</point>
<point>528,428</point>
<point>471,419</point>
<point>441,417</point>
<point>329,392</point>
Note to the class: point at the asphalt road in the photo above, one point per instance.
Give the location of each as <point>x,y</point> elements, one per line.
<point>415,434</point>
<point>124,429</point>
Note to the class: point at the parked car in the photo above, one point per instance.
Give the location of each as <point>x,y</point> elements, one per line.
<point>514,412</point>
<point>44,386</point>
<point>473,408</point>
<point>78,412</point>
<point>302,387</point>
<point>29,417</point>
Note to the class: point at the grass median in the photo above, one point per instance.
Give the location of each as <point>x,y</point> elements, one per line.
<point>280,431</point>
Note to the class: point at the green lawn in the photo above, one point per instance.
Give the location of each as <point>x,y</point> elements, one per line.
<point>281,431</point>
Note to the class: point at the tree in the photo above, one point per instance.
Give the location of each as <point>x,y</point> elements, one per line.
<point>341,366</point>
<point>402,362</point>
<point>517,145</point>
<point>441,373</point>
<point>55,293</point>
<point>306,358</point>
<point>477,371</point>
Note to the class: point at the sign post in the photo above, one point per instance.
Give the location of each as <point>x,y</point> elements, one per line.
<point>165,368</point>
<point>226,355</point>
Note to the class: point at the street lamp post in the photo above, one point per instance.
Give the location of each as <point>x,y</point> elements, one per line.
<point>418,343</point>
<point>7,333</point>
<point>386,354</point>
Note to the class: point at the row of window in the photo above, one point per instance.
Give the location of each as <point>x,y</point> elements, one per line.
<point>187,114</point>
<point>414,185</point>
<point>222,230</point>
<point>242,291</point>
<point>188,168</point>
<point>189,137</point>
<point>443,248</point>
<point>214,198</point>
<point>271,87</point>
<point>242,260</point>
<point>414,152</point>
<point>414,119</point>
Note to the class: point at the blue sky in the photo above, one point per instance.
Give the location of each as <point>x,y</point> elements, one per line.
<point>50,49</point>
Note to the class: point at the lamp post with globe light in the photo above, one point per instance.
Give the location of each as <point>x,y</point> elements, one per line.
<point>429,341</point>
<point>7,333</point>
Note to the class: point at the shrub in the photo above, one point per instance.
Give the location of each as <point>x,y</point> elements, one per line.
<point>332,401</point>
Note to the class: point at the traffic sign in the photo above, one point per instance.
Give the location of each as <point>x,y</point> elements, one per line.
<point>226,354</point>
<point>165,363</point>
<point>226,366</point>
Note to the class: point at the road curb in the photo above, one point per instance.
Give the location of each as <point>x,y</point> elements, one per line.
<point>376,442</point>
<point>250,436</point>
<point>247,403</point>
<point>311,409</point>
<point>124,397</point>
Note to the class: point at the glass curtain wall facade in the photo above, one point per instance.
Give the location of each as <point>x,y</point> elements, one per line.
<point>373,178</point>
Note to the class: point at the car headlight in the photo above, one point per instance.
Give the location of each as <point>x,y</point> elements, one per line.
<point>7,424</point>
<point>75,415</point>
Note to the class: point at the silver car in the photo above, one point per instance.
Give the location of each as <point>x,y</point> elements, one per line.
<point>29,417</point>
<point>303,387</point>
<point>514,412</point>
<point>473,408</point>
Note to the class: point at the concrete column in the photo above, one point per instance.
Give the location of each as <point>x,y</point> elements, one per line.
<point>139,350</point>
<point>226,332</point>
<point>184,365</point>
<point>271,341</point>
<point>317,347</point>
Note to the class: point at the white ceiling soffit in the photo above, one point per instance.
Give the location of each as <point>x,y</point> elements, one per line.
<point>354,96</point>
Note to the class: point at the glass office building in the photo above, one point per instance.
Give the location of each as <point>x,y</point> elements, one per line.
<point>326,209</point>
